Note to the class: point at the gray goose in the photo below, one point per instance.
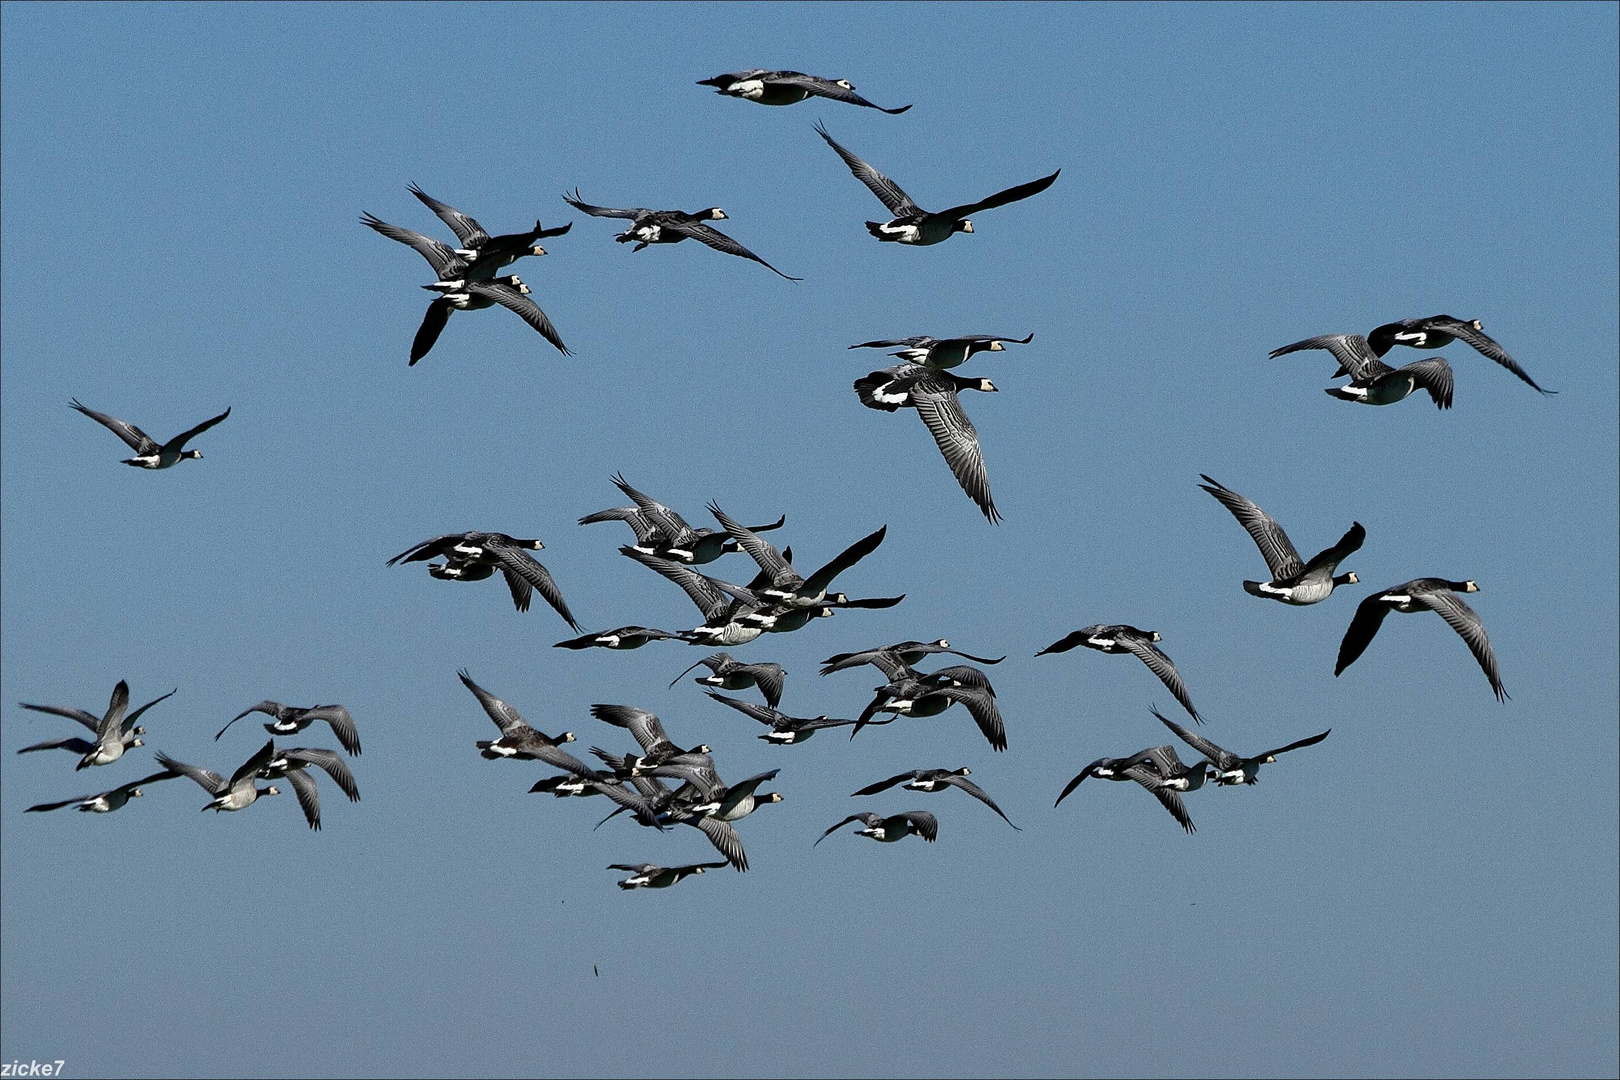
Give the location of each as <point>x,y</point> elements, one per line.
<point>785,730</point>
<point>474,556</point>
<point>933,393</point>
<point>936,780</point>
<point>1233,768</point>
<point>1145,772</point>
<point>727,673</point>
<point>290,720</point>
<point>1119,638</point>
<point>887,830</point>
<point>943,352</point>
<point>662,532</point>
<point>237,793</point>
<point>1293,581</point>
<point>148,453</point>
<point>114,731</point>
<point>107,801</point>
<point>671,227</point>
<point>1423,594</point>
<point>1373,382</point>
<point>1438,331</point>
<point>518,739</point>
<point>651,876</point>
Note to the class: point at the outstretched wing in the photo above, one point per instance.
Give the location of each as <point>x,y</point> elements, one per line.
<point>506,718</point>
<point>765,715</point>
<point>603,211</point>
<point>521,572</point>
<point>1330,558</point>
<point>1470,627</point>
<point>958,441</point>
<point>1434,375</point>
<point>1000,198</point>
<point>1354,355</point>
<point>342,726</point>
<point>469,232</point>
<point>1363,628</point>
<point>332,763</point>
<point>210,781</point>
<point>923,823</point>
<point>860,549</point>
<point>138,440</point>
<point>526,309</point>
<point>898,202</point>
<point>977,792</point>
<point>1465,332</point>
<point>1160,665</point>
<point>828,89</point>
<point>88,720</point>
<point>1169,798</point>
<point>1223,759</point>
<point>718,240</point>
<point>180,440</point>
<point>445,262</point>
<point>771,679</point>
<point>725,841</point>
<point>1275,547</point>
<point>1312,741</point>
<point>309,800</point>
<point>840,825</point>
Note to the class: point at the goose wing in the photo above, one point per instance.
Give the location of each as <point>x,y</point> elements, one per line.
<point>1169,798</point>
<point>1000,198</point>
<point>526,309</point>
<point>1485,344</point>
<point>508,719</point>
<point>710,599</point>
<point>1466,621</point>
<point>1080,778</point>
<point>884,785</point>
<point>860,549</point>
<point>778,569</point>
<point>329,761</point>
<point>977,792</point>
<point>180,440</point>
<point>1329,558</point>
<point>89,720</point>
<point>899,343</point>
<point>981,705</point>
<point>1222,759</point>
<point>922,823</point>
<point>865,818</point>
<point>129,721</point>
<point>445,262</point>
<point>1160,665</point>
<point>309,800</point>
<point>771,680</point>
<point>427,549</point>
<point>1435,376</point>
<point>1356,358</point>
<point>718,240</point>
<point>111,726</point>
<point>138,440</point>
<point>252,766</point>
<point>764,714</point>
<point>342,726</point>
<point>885,660</point>
<point>433,323</point>
<point>523,572</point>
<point>887,191</point>
<point>828,89</point>
<point>967,675</point>
<point>75,744</point>
<point>725,841</point>
<point>1275,547</point>
<point>604,211</point>
<point>469,232</point>
<point>958,441</point>
<point>1312,741</point>
<point>644,727</point>
<point>210,781</point>
<point>1363,628</point>
<point>659,514</point>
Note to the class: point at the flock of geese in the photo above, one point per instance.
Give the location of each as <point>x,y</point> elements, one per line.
<point>660,784</point>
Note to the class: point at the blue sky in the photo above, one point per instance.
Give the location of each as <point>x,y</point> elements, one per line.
<point>1430,891</point>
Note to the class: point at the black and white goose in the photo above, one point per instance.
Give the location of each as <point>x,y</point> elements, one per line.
<point>646,729</point>
<point>893,659</point>
<point>510,292</point>
<point>1230,768</point>
<point>290,720</point>
<point>148,454</point>
<point>913,694</point>
<point>474,556</point>
<point>785,730</point>
<point>886,830</point>
<point>1423,594</point>
<point>1438,331</point>
<point>788,88</point>
<point>661,531</point>
<point>943,352</point>
<point>293,763</point>
<point>1293,581</point>
<point>1373,382</point>
<point>728,673</point>
<point>114,731</point>
<point>520,740</point>
<point>107,801</point>
<point>624,637</point>
<point>651,876</point>
<point>722,610</point>
<point>671,227</point>
<point>914,225</point>
<point>1143,771</point>
<point>937,780</point>
<point>1119,638</point>
<point>933,393</point>
<point>484,253</point>
<point>237,793</point>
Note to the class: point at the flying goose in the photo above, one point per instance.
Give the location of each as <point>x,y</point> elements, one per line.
<point>721,609</point>
<point>646,729</point>
<point>730,674</point>
<point>785,730</point>
<point>1293,581</point>
<point>914,225</point>
<point>943,352</point>
<point>485,253</point>
<point>936,780</point>
<point>472,556</point>
<point>237,793</point>
<point>785,586</point>
<point>1144,772</point>
<point>1139,643</point>
<point>1438,331</point>
<point>510,292</point>
<point>107,801</point>
<point>148,454</point>
<point>293,764</point>
<point>671,227</point>
<point>625,637</point>
<point>650,876</point>
<point>892,659</point>
<point>788,88</point>
<point>913,694</point>
<point>886,830</point>
<point>114,731</point>
<point>290,720</point>
<point>1231,768</point>
<point>933,393</point>
<point>1373,382</point>
<point>518,739</point>
<point>1423,594</point>
<point>662,532</point>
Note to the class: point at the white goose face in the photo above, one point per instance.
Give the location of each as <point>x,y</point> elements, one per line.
<point>1469,586</point>
<point>1477,325</point>
<point>845,83</point>
<point>996,346</point>
<point>967,226</point>
<point>537,250</point>
<point>716,214</point>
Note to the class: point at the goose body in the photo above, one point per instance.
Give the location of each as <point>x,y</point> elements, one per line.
<point>237,793</point>
<point>290,720</point>
<point>149,454</point>
<point>1373,382</point>
<point>727,673</point>
<point>107,801</point>
<point>474,556</point>
<point>767,87</point>
<point>671,227</point>
<point>1438,331</point>
<point>113,732</point>
<point>1293,581</point>
<point>943,352</point>
<point>650,876</point>
<point>887,830</point>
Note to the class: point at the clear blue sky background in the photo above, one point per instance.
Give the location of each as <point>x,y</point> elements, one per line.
<point>1430,891</point>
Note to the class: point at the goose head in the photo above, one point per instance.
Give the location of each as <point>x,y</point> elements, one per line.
<point>713,213</point>
<point>962,226</point>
